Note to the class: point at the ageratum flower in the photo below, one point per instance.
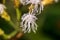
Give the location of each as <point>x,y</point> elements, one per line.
<point>3,13</point>
<point>38,6</point>
<point>29,23</point>
<point>25,2</point>
<point>2,7</point>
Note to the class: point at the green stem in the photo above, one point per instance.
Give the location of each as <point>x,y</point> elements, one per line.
<point>18,13</point>
<point>14,26</point>
<point>10,35</point>
<point>4,1</point>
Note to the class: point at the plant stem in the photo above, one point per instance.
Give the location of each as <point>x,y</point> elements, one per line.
<point>10,35</point>
<point>14,26</point>
<point>18,13</point>
<point>4,1</point>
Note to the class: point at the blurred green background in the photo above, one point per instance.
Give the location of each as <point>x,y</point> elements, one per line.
<point>48,22</point>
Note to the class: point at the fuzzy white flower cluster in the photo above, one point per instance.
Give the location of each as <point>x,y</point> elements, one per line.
<point>28,23</point>
<point>2,7</point>
<point>25,2</point>
<point>38,6</point>
<point>29,20</point>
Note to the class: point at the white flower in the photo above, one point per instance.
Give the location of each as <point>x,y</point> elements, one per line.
<point>28,23</point>
<point>2,7</point>
<point>38,9</point>
<point>35,3</point>
<point>23,1</point>
<point>30,1</point>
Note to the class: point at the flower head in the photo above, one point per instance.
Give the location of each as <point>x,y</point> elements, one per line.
<point>23,1</point>
<point>38,6</point>
<point>3,13</point>
<point>2,7</point>
<point>30,1</point>
<point>28,23</point>
<point>33,1</point>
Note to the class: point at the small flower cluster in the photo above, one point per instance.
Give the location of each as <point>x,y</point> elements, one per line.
<point>3,13</point>
<point>36,3</point>
<point>28,23</point>
<point>29,19</point>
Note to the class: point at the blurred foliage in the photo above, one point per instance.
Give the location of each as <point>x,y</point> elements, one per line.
<point>48,22</point>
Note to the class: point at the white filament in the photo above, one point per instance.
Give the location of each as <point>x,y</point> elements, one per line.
<point>28,23</point>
